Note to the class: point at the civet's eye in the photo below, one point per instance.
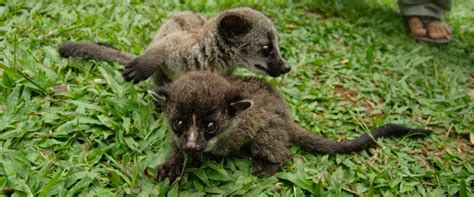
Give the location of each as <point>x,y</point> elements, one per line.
<point>178,125</point>
<point>211,127</point>
<point>267,49</point>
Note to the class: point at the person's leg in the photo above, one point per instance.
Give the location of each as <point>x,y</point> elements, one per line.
<point>417,10</point>
<point>432,8</point>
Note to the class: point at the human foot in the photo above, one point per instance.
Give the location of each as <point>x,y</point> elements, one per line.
<point>438,30</point>
<point>428,29</point>
<point>416,27</point>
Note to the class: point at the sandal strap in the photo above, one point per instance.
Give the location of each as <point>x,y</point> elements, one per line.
<point>424,19</point>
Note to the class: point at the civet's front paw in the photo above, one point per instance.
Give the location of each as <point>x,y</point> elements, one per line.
<point>139,69</point>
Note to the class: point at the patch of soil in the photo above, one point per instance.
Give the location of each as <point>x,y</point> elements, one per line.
<point>462,145</point>
<point>346,94</point>
<point>318,13</point>
<point>350,95</point>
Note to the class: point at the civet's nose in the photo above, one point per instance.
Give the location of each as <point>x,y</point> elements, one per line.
<point>285,67</point>
<point>191,147</point>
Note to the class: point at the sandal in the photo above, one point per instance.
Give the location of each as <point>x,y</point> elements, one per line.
<point>425,20</point>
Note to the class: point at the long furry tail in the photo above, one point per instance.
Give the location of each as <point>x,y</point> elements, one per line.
<point>99,51</point>
<point>305,139</point>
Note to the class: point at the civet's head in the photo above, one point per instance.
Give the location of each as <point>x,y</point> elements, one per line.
<point>199,106</point>
<point>254,40</point>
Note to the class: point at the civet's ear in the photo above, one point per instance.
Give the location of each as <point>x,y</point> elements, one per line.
<point>241,105</point>
<point>233,25</point>
<point>160,96</point>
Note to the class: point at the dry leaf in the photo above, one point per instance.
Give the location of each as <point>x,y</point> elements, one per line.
<point>471,94</point>
<point>345,61</point>
<point>471,136</point>
<point>291,26</point>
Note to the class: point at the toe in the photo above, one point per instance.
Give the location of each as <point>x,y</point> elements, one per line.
<point>447,30</point>
<point>438,30</point>
<point>416,27</point>
<point>137,77</point>
<point>435,33</point>
<point>420,32</point>
<point>125,73</point>
<point>129,76</point>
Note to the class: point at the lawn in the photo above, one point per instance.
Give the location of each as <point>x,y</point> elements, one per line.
<point>75,127</point>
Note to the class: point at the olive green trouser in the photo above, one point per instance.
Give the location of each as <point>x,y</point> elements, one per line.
<point>433,8</point>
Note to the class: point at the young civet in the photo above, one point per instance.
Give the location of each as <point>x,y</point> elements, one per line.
<point>213,116</point>
<point>187,42</point>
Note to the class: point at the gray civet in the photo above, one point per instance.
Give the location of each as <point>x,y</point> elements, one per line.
<point>188,42</point>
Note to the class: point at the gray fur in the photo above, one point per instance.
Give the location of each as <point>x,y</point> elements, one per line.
<point>99,51</point>
<point>186,41</point>
<point>253,119</point>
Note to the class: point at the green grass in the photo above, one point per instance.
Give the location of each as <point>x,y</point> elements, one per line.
<point>74,127</point>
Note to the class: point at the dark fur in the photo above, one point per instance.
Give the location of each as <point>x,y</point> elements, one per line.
<point>251,115</point>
